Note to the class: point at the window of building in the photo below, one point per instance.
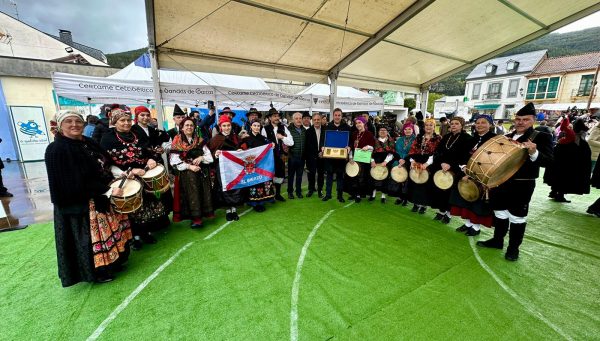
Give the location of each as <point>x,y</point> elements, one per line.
<point>512,88</point>
<point>542,88</point>
<point>586,85</point>
<point>476,91</point>
<point>494,91</point>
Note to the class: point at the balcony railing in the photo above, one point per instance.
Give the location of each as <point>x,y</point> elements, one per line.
<point>578,93</point>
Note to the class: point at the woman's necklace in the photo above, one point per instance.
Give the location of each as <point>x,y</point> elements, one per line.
<point>453,142</point>
<point>122,140</point>
<point>360,134</point>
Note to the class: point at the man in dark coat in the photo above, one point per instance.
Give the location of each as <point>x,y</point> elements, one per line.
<point>278,134</point>
<point>315,137</point>
<point>103,124</point>
<point>334,165</point>
<point>178,116</point>
<point>510,201</point>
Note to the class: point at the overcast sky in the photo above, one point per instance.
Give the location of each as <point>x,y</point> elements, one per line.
<point>120,25</point>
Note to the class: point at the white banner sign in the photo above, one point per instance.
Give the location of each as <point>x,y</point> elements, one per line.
<point>105,90</point>
<point>30,129</point>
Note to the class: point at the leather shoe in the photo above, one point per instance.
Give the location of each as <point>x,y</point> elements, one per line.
<point>136,244</point>
<point>404,202</point>
<point>235,216</point>
<point>278,197</point>
<point>325,198</point>
<point>491,243</point>
<point>357,199</point>
<point>104,278</point>
<point>422,210</point>
<point>463,228</point>
<point>511,256</point>
<point>320,194</point>
<point>291,196</point>
<point>415,208</point>
<point>148,239</point>
<point>438,216</point>
<point>471,232</point>
<point>594,212</point>
<point>341,199</point>
<point>561,199</point>
<point>299,195</point>
<point>228,216</point>
<point>383,200</point>
<point>398,202</point>
<point>445,219</point>
<point>309,194</point>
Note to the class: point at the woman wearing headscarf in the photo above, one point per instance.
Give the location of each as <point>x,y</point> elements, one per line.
<point>260,194</point>
<point>383,155</point>
<point>452,152</point>
<point>361,138</point>
<point>402,146</point>
<point>420,157</point>
<point>478,212</point>
<point>190,158</point>
<point>92,241</point>
<point>225,140</point>
<point>144,130</point>
<point>130,152</point>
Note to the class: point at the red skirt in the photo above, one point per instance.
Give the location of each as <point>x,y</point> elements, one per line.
<point>474,218</point>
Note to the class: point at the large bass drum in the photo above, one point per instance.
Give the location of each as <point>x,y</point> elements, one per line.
<point>496,161</point>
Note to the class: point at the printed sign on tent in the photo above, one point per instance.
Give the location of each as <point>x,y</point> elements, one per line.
<point>29,126</point>
<point>246,168</point>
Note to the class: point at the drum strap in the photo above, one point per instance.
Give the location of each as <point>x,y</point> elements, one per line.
<point>533,135</point>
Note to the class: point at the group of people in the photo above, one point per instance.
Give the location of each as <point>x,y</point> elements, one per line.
<point>93,239</point>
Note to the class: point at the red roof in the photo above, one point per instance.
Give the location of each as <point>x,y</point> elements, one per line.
<point>579,62</point>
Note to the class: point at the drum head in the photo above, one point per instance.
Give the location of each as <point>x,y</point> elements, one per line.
<point>352,169</point>
<point>443,180</point>
<point>379,172</point>
<point>130,187</point>
<point>399,174</point>
<point>419,176</point>
<point>468,190</point>
<point>496,161</point>
<point>154,172</point>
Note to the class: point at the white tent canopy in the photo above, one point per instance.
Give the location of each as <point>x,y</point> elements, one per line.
<point>397,45</point>
<point>566,106</point>
<point>342,91</point>
<point>140,71</point>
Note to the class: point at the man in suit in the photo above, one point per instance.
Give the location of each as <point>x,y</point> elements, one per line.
<point>510,201</point>
<point>315,137</point>
<point>333,165</point>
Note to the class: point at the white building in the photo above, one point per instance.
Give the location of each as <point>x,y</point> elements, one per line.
<point>449,106</point>
<point>497,86</point>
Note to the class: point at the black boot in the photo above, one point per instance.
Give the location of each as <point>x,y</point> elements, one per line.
<point>515,238</point>
<point>500,229</point>
<point>278,196</point>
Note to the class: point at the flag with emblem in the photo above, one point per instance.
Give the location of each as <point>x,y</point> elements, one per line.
<point>246,168</point>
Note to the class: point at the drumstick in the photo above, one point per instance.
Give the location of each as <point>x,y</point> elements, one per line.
<point>124,177</point>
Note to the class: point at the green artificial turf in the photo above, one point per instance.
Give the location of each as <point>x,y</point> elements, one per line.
<point>372,271</point>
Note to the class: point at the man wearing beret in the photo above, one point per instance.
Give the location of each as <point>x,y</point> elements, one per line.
<point>510,201</point>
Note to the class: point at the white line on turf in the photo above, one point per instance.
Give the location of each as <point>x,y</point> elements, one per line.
<point>96,334</point>
<point>296,284</point>
<point>528,306</point>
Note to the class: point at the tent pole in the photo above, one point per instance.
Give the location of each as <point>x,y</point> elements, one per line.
<point>424,98</point>
<point>156,86</point>
<point>332,92</point>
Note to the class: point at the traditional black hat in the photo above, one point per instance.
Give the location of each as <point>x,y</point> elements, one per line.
<point>272,111</point>
<point>228,110</point>
<point>254,111</point>
<point>177,111</point>
<point>528,109</point>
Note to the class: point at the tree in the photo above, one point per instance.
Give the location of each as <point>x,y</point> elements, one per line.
<point>410,103</point>
<point>433,96</point>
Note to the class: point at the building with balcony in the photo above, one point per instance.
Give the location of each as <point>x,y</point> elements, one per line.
<point>497,86</point>
<point>557,84</point>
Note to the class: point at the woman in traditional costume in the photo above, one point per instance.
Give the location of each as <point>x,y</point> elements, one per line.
<point>190,159</point>
<point>129,152</point>
<point>420,157</point>
<point>479,212</point>
<point>144,130</point>
<point>262,193</point>
<point>453,151</point>
<point>225,140</point>
<point>383,155</point>
<point>361,139</point>
<point>92,241</point>
<point>403,145</point>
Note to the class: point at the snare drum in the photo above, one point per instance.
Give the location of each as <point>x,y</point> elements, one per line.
<point>156,180</point>
<point>443,179</point>
<point>131,200</point>
<point>470,190</point>
<point>496,161</point>
<point>399,174</point>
